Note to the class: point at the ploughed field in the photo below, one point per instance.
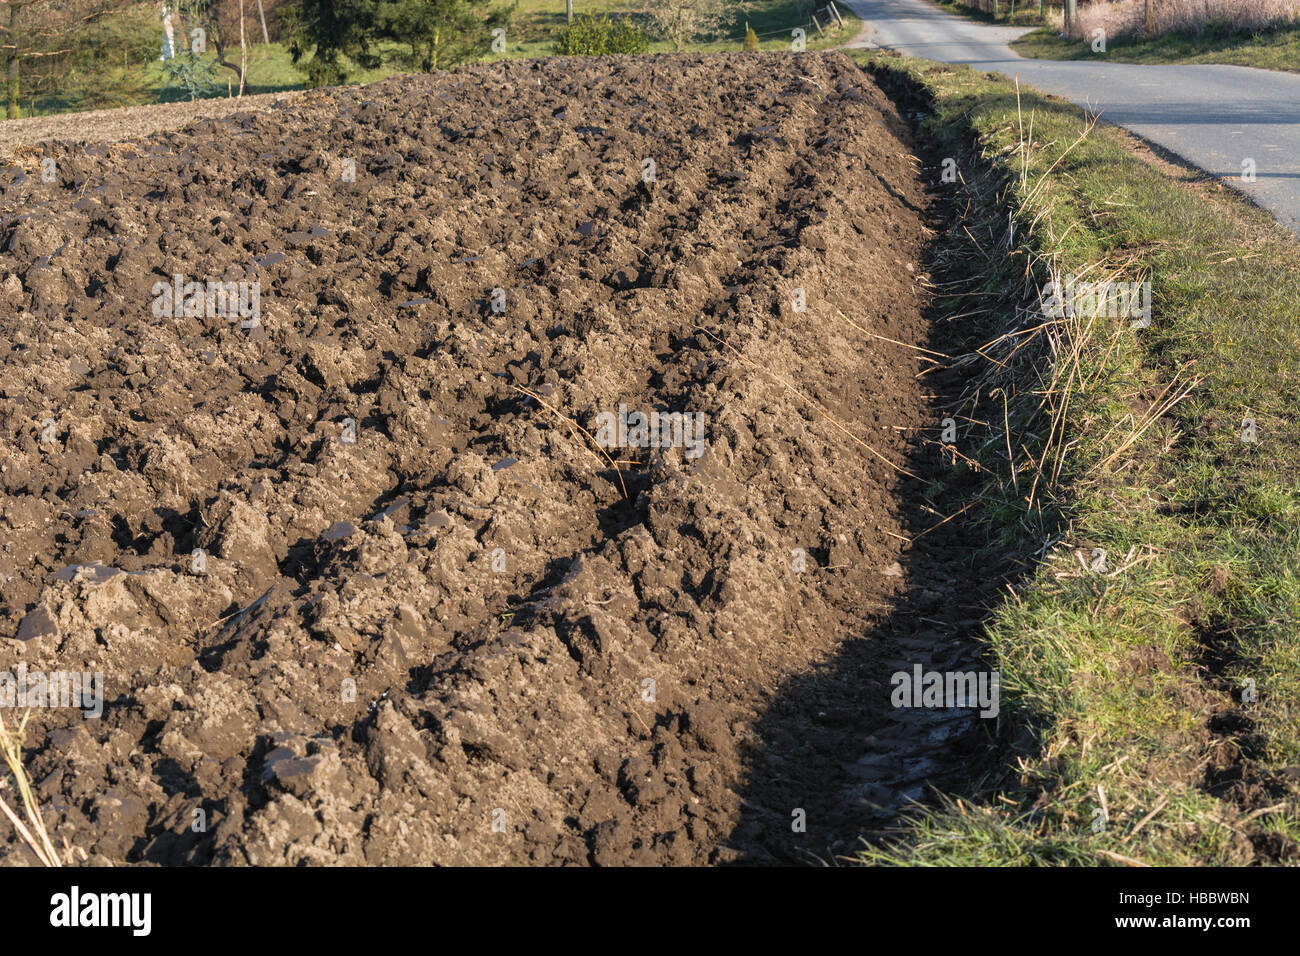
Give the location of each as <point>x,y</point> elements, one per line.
<point>321,444</point>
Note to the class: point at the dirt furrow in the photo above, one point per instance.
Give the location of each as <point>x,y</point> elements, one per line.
<point>427,625</point>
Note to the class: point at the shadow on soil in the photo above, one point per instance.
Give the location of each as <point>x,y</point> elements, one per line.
<point>837,761</point>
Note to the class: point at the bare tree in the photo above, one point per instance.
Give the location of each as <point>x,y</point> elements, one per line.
<point>684,21</point>
<point>223,20</point>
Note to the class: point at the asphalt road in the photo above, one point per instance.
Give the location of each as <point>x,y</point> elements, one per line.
<point>1215,117</point>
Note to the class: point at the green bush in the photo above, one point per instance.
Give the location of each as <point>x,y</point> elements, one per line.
<point>596,36</point>
<point>751,39</point>
<point>197,76</point>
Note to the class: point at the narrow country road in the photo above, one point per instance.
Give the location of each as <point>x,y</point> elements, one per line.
<point>1216,117</point>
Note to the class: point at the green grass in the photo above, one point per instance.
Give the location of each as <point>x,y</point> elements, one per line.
<point>1123,687</point>
<point>1270,50</point>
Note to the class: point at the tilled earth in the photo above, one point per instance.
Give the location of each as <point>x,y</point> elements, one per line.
<point>434,623</point>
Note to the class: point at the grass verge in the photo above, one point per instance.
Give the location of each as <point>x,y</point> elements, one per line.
<point>1151,698</point>
<point>1277,49</point>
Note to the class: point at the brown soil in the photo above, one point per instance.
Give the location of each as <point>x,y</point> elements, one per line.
<point>104,126</point>
<point>513,697</point>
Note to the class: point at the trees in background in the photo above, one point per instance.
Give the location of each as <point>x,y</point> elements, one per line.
<point>436,34</point>
<point>224,22</point>
<point>322,33</point>
<point>226,28</point>
<point>49,44</point>
<point>88,54</point>
<point>414,34</point>
<point>190,68</point>
<point>85,54</point>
